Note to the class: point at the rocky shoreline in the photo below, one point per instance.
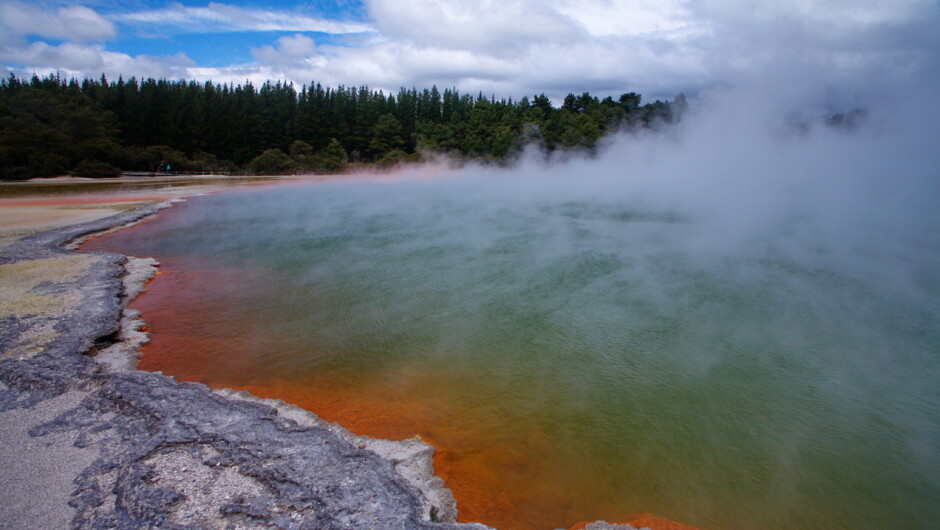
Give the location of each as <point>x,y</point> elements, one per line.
<point>88,441</point>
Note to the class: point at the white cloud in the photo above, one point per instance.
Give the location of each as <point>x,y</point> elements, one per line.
<point>491,26</point>
<point>293,50</point>
<point>509,48</point>
<point>216,17</point>
<point>68,56</point>
<point>72,23</point>
<point>627,17</point>
<point>656,47</point>
<point>84,60</point>
<point>520,47</point>
<point>833,14</point>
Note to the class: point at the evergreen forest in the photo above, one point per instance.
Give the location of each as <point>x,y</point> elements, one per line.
<point>51,126</point>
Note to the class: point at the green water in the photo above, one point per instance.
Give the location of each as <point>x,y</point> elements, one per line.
<point>642,359</point>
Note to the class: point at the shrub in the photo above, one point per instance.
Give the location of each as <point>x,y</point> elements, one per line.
<point>391,158</point>
<point>95,169</point>
<point>331,158</point>
<point>272,162</point>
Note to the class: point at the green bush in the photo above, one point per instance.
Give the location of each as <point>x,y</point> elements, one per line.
<point>393,158</point>
<point>272,162</point>
<point>95,169</point>
<point>332,158</point>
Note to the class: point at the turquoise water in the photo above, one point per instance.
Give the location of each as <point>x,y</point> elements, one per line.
<point>581,355</point>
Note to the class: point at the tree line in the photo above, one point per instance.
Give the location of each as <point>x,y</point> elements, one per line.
<point>95,127</point>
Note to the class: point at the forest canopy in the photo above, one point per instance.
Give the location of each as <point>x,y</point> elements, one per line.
<point>52,126</point>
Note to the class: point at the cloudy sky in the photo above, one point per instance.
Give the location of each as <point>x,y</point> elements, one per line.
<point>505,47</point>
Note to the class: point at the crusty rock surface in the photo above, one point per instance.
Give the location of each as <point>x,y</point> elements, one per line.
<point>140,449</point>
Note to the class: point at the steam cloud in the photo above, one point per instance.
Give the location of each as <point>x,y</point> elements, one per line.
<point>762,173</point>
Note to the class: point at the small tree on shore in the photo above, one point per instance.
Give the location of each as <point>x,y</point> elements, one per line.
<point>332,158</point>
<point>302,154</point>
<point>95,169</point>
<point>272,162</point>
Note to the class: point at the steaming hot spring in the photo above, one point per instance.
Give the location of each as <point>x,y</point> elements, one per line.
<point>741,345</point>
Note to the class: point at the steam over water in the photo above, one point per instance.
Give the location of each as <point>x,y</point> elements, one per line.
<point>730,339</point>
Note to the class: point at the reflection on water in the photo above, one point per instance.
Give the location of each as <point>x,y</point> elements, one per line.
<point>571,359</point>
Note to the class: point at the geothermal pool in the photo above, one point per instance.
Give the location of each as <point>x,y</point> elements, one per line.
<point>572,355</point>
